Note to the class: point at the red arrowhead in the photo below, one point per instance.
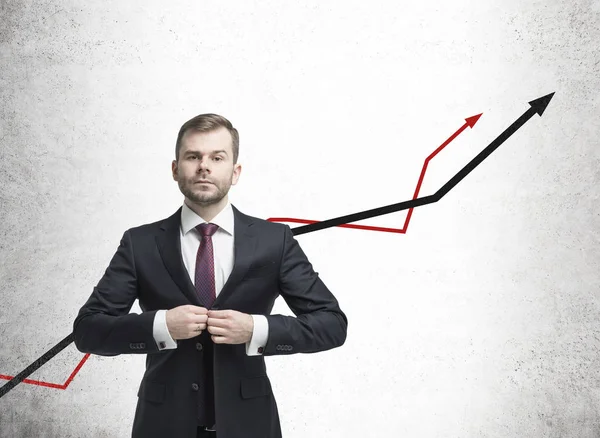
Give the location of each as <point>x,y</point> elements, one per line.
<point>472,120</point>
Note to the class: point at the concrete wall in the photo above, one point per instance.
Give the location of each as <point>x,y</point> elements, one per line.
<point>480,321</point>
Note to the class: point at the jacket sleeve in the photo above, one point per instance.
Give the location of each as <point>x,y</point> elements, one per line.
<point>104,325</point>
<point>319,324</point>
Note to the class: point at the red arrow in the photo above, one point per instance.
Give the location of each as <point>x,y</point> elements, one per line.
<point>469,121</point>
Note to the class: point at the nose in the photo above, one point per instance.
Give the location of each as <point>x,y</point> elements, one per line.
<point>203,165</point>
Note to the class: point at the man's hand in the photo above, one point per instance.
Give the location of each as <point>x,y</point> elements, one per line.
<point>184,322</point>
<point>230,326</point>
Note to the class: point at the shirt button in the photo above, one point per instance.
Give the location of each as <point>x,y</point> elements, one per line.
<point>198,346</point>
<point>195,386</point>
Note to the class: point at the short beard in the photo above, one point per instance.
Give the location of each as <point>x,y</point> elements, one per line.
<point>202,199</point>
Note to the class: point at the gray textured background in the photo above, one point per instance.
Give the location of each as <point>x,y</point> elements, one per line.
<point>480,321</point>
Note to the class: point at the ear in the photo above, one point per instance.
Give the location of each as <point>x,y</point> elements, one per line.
<point>236,174</point>
<point>174,169</point>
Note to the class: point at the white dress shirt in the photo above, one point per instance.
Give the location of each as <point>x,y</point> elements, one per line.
<point>223,253</point>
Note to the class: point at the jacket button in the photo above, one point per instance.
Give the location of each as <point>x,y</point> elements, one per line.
<point>198,346</point>
<point>195,386</point>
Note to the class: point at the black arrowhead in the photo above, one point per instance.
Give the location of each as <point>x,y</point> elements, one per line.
<point>540,104</point>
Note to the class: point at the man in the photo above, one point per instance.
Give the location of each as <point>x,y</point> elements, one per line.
<point>206,279</point>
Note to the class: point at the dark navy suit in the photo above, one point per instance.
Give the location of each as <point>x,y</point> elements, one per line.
<point>148,266</point>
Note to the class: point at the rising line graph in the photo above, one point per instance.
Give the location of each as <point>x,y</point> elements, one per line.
<point>537,106</point>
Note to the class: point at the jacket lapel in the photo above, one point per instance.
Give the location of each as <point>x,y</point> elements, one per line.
<point>169,246</point>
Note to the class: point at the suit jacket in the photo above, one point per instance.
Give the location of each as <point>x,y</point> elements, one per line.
<point>148,266</point>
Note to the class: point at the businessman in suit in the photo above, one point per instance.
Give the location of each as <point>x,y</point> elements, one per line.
<point>206,279</point>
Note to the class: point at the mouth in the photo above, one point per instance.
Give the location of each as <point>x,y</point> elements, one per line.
<point>202,182</point>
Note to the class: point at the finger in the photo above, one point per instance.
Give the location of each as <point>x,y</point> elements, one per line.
<point>219,313</point>
<point>220,339</point>
<point>217,322</point>
<point>219,331</point>
<point>192,332</point>
<point>197,310</point>
<point>198,319</point>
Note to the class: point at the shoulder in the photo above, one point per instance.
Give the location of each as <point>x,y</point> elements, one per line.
<point>155,226</point>
<point>262,225</point>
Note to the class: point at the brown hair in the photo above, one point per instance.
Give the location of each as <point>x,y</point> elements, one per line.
<point>208,123</point>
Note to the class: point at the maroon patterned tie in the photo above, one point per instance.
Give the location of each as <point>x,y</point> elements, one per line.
<point>205,265</point>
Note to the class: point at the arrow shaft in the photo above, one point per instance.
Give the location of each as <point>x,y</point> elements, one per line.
<point>447,142</point>
<point>380,211</point>
<point>37,364</point>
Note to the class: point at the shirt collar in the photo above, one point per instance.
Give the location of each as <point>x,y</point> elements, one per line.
<point>190,219</point>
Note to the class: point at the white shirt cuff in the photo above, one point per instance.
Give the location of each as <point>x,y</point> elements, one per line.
<point>260,335</point>
<point>160,331</point>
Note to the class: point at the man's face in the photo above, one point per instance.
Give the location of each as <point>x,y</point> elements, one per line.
<point>206,156</point>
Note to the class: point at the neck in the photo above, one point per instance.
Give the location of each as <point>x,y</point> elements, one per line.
<point>207,212</point>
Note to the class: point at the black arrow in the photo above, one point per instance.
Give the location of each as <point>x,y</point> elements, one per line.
<point>537,106</point>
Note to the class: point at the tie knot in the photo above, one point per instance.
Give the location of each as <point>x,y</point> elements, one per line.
<point>207,229</point>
